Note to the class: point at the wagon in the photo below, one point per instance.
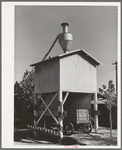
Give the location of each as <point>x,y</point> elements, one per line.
<point>78,111</point>
<point>82,122</point>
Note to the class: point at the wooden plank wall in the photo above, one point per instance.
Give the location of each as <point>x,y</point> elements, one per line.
<point>77,74</point>
<point>47,77</point>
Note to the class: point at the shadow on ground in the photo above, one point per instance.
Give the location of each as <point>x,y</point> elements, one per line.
<point>71,141</point>
<point>55,140</point>
<point>27,136</point>
<point>99,140</point>
<point>76,139</point>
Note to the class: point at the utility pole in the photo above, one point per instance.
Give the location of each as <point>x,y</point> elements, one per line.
<point>115,112</point>
<point>116,75</point>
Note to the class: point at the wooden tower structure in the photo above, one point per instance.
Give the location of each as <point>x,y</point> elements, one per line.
<point>68,78</point>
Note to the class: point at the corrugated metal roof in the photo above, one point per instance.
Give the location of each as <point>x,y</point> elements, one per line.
<point>71,53</point>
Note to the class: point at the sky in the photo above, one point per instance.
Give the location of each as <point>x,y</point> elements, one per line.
<point>94,29</point>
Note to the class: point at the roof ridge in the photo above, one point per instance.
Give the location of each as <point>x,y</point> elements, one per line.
<point>68,53</point>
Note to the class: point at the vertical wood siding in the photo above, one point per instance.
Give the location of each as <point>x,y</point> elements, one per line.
<point>47,77</point>
<point>77,74</point>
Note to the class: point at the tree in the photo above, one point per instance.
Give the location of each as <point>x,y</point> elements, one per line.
<point>25,102</point>
<point>27,86</point>
<point>111,99</point>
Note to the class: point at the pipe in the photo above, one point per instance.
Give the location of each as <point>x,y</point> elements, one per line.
<point>50,48</point>
<point>65,27</point>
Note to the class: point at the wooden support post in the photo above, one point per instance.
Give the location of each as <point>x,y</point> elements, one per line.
<point>95,116</point>
<point>35,115</point>
<point>44,122</point>
<point>60,117</point>
<point>65,97</point>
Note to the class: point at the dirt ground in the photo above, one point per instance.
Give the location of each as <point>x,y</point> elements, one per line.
<point>102,138</point>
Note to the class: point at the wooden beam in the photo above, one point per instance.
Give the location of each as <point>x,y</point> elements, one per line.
<point>96,116</point>
<point>65,97</point>
<point>47,108</point>
<point>35,115</point>
<point>55,113</point>
<point>60,118</point>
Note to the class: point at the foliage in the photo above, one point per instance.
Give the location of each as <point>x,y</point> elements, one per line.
<point>27,90</point>
<point>24,102</point>
<point>109,94</point>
